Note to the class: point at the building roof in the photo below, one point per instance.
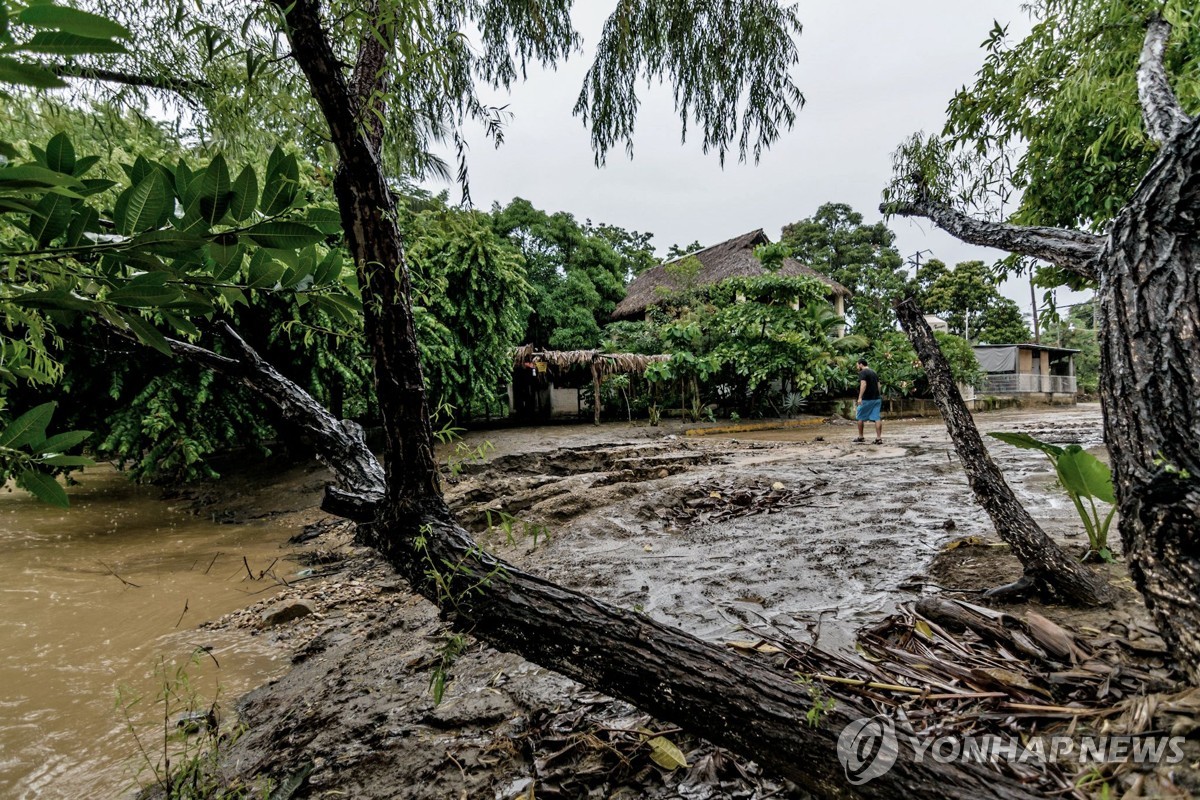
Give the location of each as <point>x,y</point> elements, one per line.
<point>1029,346</point>
<point>730,259</point>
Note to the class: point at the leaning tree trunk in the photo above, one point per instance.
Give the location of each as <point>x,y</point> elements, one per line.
<point>1054,573</point>
<point>1149,371</point>
<point>702,687</point>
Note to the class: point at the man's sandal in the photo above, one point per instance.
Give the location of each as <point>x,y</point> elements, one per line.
<point>859,440</point>
<point>877,441</point>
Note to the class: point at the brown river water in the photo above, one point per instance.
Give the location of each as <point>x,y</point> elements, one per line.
<point>72,633</point>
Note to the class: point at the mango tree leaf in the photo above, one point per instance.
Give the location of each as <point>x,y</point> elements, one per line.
<point>29,428</point>
<point>1083,474</point>
<point>67,461</point>
<point>50,219</point>
<point>60,154</point>
<point>62,442</point>
<point>43,487</point>
<point>72,20</point>
<point>326,220</point>
<point>69,44</point>
<point>280,185</point>
<point>147,204</point>
<point>245,195</point>
<point>31,175</point>
<point>284,235</point>
<point>85,219</point>
<point>1027,442</point>
<point>215,191</point>
<point>53,299</point>
<point>146,333</point>
<point>169,242</point>
<point>143,296</point>
<point>264,272</point>
<point>22,74</point>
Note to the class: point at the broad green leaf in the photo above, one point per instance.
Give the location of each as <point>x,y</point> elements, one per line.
<point>1083,474</point>
<point>62,442</point>
<point>13,204</point>
<point>85,219</point>
<point>330,268</point>
<point>72,20</point>
<point>29,428</point>
<point>43,487</point>
<point>170,242</point>
<point>148,205</point>
<point>245,195</point>
<point>280,186</point>
<point>145,296</point>
<point>83,165</point>
<point>139,170</point>
<point>28,175</point>
<point>69,44</point>
<point>60,154</point>
<point>51,219</point>
<point>284,235</point>
<point>1027,442</point>
<point>264,272</point>
<point>22,74</point>
<point>326,220</point>
<point>67,461</point>
<point>53,299</point>
<point>215,191</point>
<point>146,333</point>
<point>181,324</point>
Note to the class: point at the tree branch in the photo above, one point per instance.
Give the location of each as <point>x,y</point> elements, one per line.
<point>371,74</point>
<point>1074,251</point>
<point>1161,112</point>
<point>183,86</point>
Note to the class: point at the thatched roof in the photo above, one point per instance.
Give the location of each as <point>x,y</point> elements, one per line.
<point>606,363</point>
<point>732,259</point>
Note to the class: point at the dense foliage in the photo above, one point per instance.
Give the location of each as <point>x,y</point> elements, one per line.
<point>968,298</point>
<point>836,242</point>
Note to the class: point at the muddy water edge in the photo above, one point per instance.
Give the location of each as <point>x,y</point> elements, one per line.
<point>105,597</point>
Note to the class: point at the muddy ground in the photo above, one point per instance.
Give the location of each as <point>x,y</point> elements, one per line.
<point>799,529</point>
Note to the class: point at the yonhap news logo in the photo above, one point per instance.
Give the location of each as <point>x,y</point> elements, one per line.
<point>868,748</point>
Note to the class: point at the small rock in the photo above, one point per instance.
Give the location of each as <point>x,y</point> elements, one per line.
<point>286,612</point>
<point>663,473</point>
<point>777,486</point>
<point>949,525</point>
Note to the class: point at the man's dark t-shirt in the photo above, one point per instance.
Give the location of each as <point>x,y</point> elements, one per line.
<point>872,390</point>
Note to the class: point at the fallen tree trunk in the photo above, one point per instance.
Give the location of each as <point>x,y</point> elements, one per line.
<point>1048,568</point>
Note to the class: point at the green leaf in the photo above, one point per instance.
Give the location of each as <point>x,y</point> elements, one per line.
<point>145,296</point>
<point>281,184</point>
<point>29,428</point>
<point>52,299</point>
<point>284,235</point>
<point>72,20</point>
<point>1083,474</point>
<point>43,487</point>
<point>31,175</point>
<point>147,207</point>
<point>224,248</point>
<point>67,461</point>
<point>69,44</point>
<point>264,272</point>
<point>326,220</point>
<point>146,333</point>
<point>245,195</point>
<point>329,270</point>
<point>60,154</point>
<point>22,74</point>
<point>215,191</point>
<point>1027,442</point>
<point>51,219</point>
<point>85,219</point>
<point>62,442</point>
<point>170,242</point>
<point>84,164</point>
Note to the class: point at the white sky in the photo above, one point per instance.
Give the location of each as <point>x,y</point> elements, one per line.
<point>872,71</point>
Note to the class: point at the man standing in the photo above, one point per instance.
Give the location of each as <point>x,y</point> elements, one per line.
<point>869,403</point>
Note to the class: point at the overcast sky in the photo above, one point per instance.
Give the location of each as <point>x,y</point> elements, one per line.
<point>872,73</point>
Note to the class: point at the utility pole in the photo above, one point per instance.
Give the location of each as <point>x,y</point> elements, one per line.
<point>1037,334</point>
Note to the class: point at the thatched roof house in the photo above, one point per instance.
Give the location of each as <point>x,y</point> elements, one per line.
<point>732,259</point>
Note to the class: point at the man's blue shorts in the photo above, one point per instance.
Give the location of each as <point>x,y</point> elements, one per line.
<point>868,411</point>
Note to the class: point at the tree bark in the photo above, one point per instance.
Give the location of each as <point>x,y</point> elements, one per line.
<point>1056,575</point>
<point>1149,310</point>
